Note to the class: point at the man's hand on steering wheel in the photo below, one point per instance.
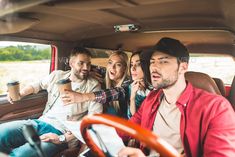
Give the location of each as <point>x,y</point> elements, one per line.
<point>130,152</point>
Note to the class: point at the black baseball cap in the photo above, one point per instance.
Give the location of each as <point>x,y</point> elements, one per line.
<point>165,45</point>
<point>172,47</point>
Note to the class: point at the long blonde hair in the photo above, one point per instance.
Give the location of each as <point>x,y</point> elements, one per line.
<point>109,83</point>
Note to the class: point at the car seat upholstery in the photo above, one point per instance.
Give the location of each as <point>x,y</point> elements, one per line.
<point>231,96</point>
<point>220,85</point>
<point>202,81</point>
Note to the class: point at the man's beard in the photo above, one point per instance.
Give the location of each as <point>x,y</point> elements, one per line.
<point>81,77</point>
<point>167,82</point>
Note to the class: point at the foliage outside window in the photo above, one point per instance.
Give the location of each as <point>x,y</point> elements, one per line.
<point>23,62</point>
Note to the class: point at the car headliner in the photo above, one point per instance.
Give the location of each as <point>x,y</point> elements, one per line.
<point>203,25</point>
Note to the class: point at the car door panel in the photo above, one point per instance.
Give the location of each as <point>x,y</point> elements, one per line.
<point>31,106</point>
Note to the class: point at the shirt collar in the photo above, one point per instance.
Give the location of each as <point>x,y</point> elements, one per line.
<point>184,97</point>
<point>160,95</point>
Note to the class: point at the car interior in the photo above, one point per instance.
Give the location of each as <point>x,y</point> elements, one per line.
<point>206,27</point>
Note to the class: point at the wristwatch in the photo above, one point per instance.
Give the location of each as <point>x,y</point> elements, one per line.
<point>62,138</point>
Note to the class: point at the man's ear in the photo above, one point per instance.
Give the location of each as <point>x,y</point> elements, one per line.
<point>183,67</point>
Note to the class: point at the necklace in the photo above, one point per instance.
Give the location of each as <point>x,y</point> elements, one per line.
<point>167,101</point>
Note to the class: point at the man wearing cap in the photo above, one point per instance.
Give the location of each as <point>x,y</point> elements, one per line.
<point>53,126</point>
<point>196,123</point>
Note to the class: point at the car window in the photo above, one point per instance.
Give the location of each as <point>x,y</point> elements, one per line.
<point>23,62</point>
<point>219,66</point>
<point>100,56</point>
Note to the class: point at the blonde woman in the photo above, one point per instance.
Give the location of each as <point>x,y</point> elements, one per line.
<point>116,76</point>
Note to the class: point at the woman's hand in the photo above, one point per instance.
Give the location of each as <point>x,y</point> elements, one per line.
<point>134,89</point>
<point>70,97</point>
<point>135,86</point>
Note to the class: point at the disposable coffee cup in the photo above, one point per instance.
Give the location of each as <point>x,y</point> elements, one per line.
<point>64,84</point>
<point>14,90</point>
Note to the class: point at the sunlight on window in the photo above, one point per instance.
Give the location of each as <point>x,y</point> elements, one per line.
<point>218,66</point>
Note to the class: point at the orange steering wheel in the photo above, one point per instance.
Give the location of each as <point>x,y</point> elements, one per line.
<point>145,136</point>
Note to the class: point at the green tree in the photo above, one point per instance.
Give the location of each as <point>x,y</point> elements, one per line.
<point>24,53</point>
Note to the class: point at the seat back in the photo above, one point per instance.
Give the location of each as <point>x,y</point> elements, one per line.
<point>220,85</point>
<point>202,81</point>
<point>231,96</point>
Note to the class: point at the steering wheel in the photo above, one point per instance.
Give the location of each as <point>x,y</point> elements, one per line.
<point>148,138</point>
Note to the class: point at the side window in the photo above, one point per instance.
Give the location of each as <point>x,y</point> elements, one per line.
<point>100,56</point>
<point>220,66</point>
<point>23,62</point>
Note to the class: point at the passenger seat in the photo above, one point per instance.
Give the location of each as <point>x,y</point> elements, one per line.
<point>202,81</point>
<point>220,85</point>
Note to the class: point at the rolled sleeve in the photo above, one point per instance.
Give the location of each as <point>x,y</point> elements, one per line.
<point>43,83</point>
